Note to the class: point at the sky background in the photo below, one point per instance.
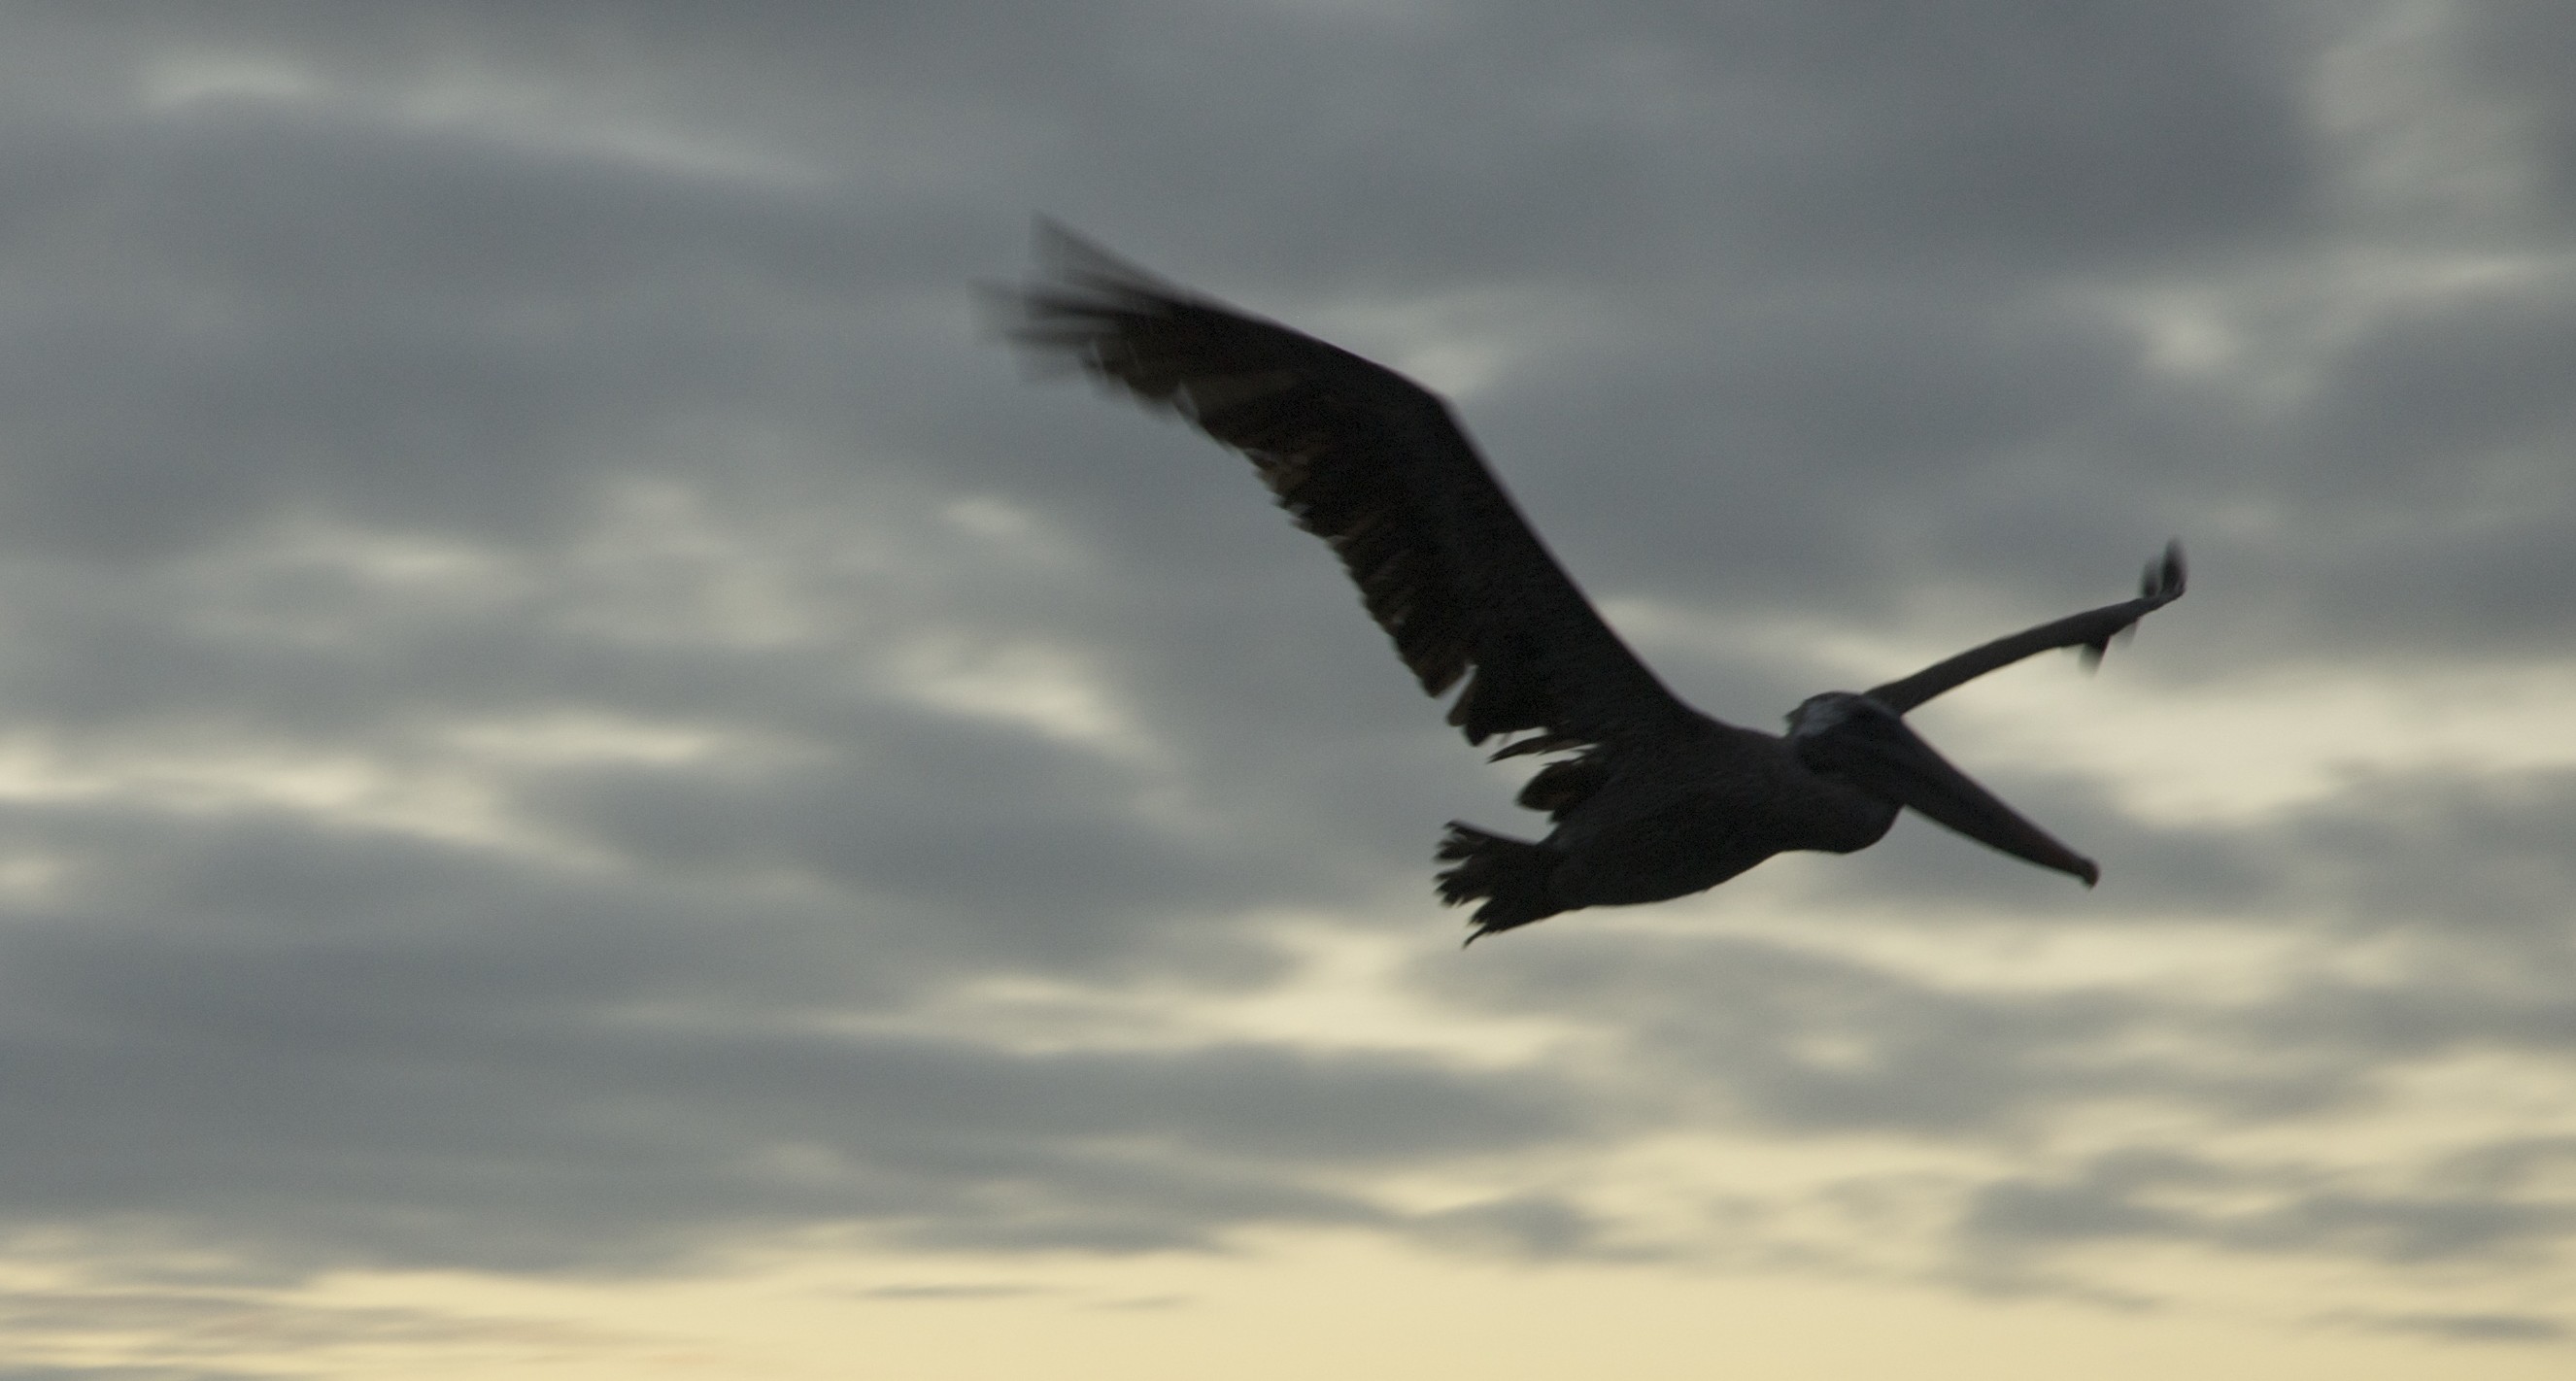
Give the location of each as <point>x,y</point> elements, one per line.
<point>593,784</point>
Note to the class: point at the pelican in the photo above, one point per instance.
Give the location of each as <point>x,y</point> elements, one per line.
<point>1650,798</point>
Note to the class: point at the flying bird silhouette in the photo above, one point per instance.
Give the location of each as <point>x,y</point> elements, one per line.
<point>1652,799</point>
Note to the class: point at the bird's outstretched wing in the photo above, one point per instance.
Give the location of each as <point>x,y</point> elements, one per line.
<point>2091,630</point>
<point>1374,464</point>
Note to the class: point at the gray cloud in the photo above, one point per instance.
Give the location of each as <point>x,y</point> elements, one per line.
<point>144,1373</point>
<point>2465,1328</point>
<point>2511,48</point>
<point>2468,872</point>
<point>1532,1226</point>
<point>407,1078</point>
<point>2148,1195</point>
<point>996,1290</point>
<point>170,1332</point>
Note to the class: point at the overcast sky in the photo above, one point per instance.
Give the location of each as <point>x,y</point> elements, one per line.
<point>569,719</point>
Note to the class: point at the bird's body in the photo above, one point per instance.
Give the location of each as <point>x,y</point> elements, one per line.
<point>1653,799</point>
<point>1702,808</point>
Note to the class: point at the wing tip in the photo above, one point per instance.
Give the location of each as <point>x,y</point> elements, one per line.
<point>2163,582</point>
<point>2166,577</point>
<point>1071,261</point>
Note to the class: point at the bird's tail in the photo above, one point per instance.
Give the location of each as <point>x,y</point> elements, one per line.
<point>1509,875</point>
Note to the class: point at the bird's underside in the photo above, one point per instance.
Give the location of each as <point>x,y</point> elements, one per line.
<point>1650,799</point>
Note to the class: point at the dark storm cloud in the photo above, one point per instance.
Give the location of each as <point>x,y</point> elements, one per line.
<point>383,383</point>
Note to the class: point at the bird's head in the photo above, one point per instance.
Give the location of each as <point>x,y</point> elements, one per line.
<point>1864,743</point>
<point>1821,714</point>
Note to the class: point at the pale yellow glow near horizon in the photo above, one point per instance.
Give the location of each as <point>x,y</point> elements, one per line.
<point>1291,1309</point>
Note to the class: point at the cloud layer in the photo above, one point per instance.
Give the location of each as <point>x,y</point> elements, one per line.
<point>560,708</point>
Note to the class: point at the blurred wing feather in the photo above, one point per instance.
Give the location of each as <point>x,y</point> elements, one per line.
<point>1375,465</point>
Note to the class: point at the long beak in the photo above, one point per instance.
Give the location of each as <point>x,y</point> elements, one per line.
<point>1879,753</point>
